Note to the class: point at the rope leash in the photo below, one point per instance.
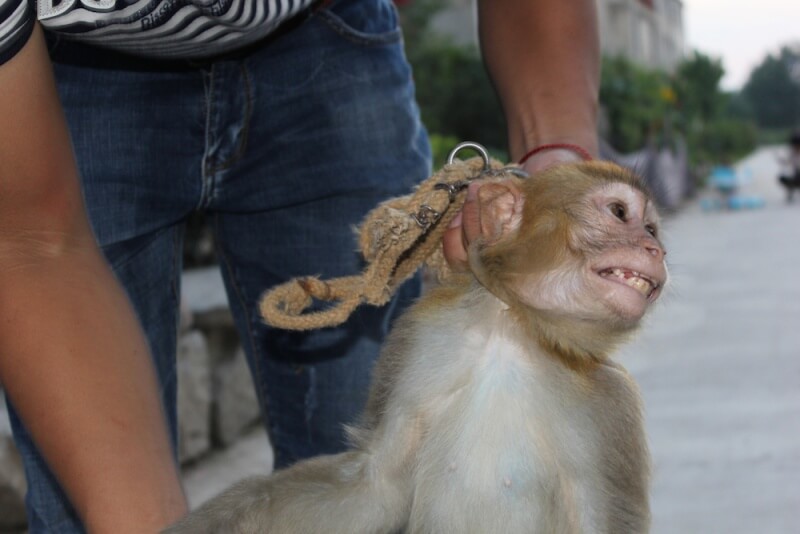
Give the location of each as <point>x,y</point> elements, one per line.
<point>396,238</point>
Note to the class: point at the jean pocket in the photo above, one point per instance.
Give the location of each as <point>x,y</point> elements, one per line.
<point>364,22</point>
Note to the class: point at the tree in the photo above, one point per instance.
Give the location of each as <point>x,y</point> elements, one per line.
<point>717,125</point>
<point>456,98</point>
<point>697,86</point>
<point>773,93</point>
<point>648,106</point>
<point>637,103</point>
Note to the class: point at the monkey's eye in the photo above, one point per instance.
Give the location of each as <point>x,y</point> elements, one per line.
<point>618,210</point>
<point>651,229</point>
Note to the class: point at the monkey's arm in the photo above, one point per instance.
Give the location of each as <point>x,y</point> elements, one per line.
<point>344,493</point>
<point>543,57</point>
<point>364,491</point>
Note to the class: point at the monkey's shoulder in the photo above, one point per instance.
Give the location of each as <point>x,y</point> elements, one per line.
<point>613,383</point>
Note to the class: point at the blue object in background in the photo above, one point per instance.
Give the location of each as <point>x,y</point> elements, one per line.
<point>742,203</point>
<point>724,179</point>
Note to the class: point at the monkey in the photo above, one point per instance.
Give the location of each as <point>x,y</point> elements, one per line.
<point>494,405</point>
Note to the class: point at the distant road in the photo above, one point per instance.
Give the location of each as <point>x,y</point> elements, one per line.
<point>719,367</point>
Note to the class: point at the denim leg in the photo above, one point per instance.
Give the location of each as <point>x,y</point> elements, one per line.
<point>332,130</point>
<point>309,383</point>
<point>326,129</point>
<point>138,166</point>
<point>47,506</point>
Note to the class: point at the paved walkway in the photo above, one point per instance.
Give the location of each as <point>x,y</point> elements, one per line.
<point>719,368</point>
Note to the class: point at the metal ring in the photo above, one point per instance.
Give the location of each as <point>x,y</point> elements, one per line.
<point>474,146</point>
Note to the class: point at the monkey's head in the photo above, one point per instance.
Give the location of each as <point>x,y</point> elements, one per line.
<point>575,249</point>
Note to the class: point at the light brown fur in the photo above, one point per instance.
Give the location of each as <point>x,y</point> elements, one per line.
<point>494,406</point>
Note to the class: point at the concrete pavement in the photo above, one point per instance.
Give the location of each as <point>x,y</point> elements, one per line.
<point>719,368</point>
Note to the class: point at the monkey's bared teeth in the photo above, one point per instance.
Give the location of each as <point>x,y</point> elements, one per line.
<point>633,279</point>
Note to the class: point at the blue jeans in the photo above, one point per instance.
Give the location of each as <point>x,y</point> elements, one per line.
<point>285,146</point>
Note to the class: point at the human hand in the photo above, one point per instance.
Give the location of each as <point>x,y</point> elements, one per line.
<point>466,226</point>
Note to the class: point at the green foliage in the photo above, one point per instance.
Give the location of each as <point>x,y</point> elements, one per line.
<point>647,106</point>
<point>722,140</point>
<point>415,17</point>
<point>717,125</point>
<point>772,92</point>
<point>456,98</point>
<point>441,146</point>
<point>455,95</point>
<point>738,107</point>
<point>638,103</point>
<point>773,136</point>
<point>696,85</point>
<point>458,102</point>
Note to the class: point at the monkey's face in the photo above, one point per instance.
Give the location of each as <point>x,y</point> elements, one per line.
<point>624,259</point>
<point>587,247</point>
<point>612,267</point>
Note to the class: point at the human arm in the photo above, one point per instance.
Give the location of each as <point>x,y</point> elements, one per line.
<point>544,60</point>
<point>73,358</point>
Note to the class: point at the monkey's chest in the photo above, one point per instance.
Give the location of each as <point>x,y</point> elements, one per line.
<point>505,455</point>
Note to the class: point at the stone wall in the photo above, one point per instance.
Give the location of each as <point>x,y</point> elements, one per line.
<point>216,399</point>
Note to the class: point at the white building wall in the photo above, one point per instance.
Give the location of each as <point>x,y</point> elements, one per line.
<point>648,32</point>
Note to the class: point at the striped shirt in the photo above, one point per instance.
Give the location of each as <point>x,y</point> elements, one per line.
<point>166,29</point>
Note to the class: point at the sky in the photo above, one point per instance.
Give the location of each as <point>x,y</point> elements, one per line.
<point>740,32</point>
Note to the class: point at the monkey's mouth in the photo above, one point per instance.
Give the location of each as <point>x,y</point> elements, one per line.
<point>646,286</point>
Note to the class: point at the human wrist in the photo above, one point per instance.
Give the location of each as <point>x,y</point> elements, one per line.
<point>575,150</point>
<point>575,127</point>
<point>541,157</point>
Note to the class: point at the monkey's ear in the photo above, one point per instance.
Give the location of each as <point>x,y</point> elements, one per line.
<point>500,205</point>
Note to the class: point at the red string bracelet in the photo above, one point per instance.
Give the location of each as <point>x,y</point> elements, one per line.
<point>583,153</point>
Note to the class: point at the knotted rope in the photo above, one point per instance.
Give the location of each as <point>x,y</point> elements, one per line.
<point>395,239</point>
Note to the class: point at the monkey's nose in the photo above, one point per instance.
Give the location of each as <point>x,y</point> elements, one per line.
<point>655,251</point>
<point>653,247</point>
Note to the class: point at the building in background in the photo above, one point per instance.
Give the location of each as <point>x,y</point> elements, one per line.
<point>648,32</point>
